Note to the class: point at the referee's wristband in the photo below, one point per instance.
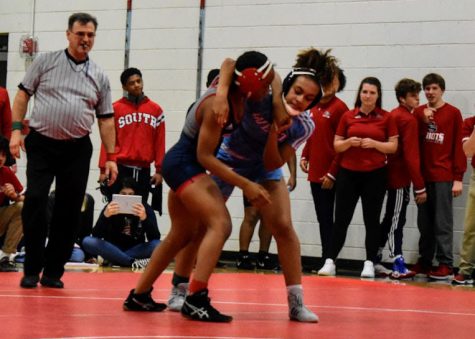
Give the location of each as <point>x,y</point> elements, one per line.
<point>17,125</point>
<point>111,157</point>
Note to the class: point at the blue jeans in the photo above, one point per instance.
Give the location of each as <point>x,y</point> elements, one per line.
<point>114,254</point>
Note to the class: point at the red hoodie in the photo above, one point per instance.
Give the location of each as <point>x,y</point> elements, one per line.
<point>5,114</point>
<point>404,166</point>
<point>319,150</point>
<point>442,157</point>
<point>140,134</point>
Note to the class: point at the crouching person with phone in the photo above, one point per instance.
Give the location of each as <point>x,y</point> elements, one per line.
<point>125,238</point>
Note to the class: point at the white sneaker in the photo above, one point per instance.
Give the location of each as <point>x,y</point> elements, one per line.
<point>177,297</point>
<point>368,270</point>
<point>328,269</point>
<point>298,311</point>
<point>382,271</point>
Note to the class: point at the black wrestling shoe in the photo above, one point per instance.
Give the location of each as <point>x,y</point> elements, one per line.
<point>51,282</point>
<point>142,302</point>
<point>29,281</point>
<point>197,306</point>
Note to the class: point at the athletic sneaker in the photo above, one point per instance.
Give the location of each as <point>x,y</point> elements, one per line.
<point>7,265</point>
<point>244,262</point>
<point>381,271</point>
<point>142,302</point>
<point>140,263</point>
<point>197,306</point>
<point>400,270</point>
<point>442,272</point>
<point>298,311</point>
<point>328,269</point>
<point>177,297</point>
<point>368,269</point>
<point>462,279</point>
<point>421,269</point>
<point>265,262</point>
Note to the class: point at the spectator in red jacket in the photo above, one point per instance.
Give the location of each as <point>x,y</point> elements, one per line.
<point>319,158</point>
<point>11,204</point>
<point>5,114</point>
<point>403,168</point>
<point>363,138</point>
<point>140,129</point>
<point>443,165</point>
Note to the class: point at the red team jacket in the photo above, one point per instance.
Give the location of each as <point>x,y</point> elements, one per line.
<point>140,130</point>
<point>467,129</point>
<point>319,150</point>
<point>442,157</point>
<point>5,114</point>
<point>404,165</point>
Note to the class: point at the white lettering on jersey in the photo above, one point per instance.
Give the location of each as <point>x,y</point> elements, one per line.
<point>139,117</point>
<point>434,137</point>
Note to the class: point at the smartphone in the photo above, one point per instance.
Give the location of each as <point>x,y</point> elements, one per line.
<point>126,202</point>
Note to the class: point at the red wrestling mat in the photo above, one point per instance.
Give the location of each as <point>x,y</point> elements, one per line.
<point>91,307</point>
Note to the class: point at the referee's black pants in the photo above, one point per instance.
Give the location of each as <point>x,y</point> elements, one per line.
<point>351,185</point>
<point>66,162</point>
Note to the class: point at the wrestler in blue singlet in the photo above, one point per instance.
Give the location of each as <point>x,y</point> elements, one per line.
<point>180,164</point>
<point>243,149</point>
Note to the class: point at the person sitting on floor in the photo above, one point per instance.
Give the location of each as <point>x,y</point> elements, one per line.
<point>11,203</point>
<point>120,238</point>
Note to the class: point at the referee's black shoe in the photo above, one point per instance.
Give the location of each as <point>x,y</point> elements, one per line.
<point>142,302</point>
<point>197,306</point>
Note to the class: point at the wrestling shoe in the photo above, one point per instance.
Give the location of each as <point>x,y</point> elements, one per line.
<point>244,262</point>
<point>328,269</point>
<point>177,297</point>
<point>400,270</point>
<point>265,262</point>
<point>142,302</point>
<point>197,306</point>
<point>298,311</point>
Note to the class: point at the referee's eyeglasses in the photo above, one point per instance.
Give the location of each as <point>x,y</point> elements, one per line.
<point>82,35</point>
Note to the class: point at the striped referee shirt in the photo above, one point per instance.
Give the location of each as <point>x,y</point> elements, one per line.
<point>67,95</point>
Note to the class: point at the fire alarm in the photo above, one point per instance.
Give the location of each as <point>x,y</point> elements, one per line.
<point>28,46</point>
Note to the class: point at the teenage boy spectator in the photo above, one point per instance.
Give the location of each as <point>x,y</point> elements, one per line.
<point>403,167</point>
<point>11,203</point>
<point>443,164</point>
<point>467,255</point>
<point>70,92</point>
<point>120,238</point>
<point>319,158</point>
<point>5,114</point>
<point>140,128</point>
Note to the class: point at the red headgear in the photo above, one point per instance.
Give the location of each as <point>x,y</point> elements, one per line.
<point>250,79</point>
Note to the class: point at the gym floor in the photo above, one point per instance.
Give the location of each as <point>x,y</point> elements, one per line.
<point>90,306</point>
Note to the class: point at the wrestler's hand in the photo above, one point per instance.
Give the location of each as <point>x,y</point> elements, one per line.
<point>256,194</point>
<point>220,108</point>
